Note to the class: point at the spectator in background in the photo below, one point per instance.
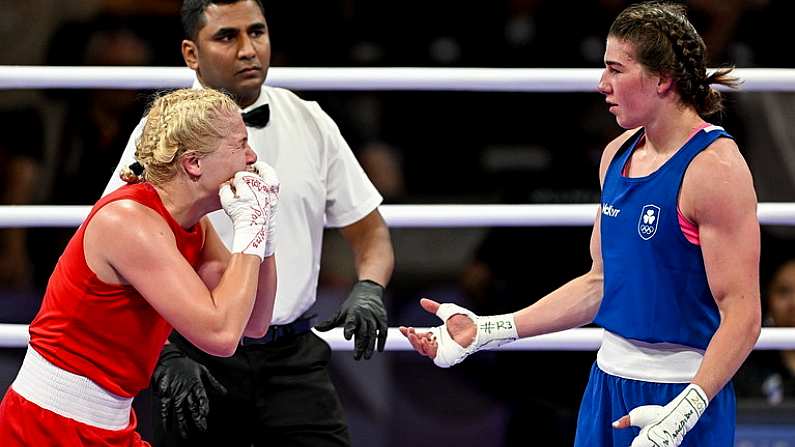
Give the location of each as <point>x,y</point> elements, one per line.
<point>770,375</point>
<point>22,159</point>
<point>20,166</point>
<point>98,121</point>
<point>92,129</point>
<point>29,25</point>
<point>20,172</point>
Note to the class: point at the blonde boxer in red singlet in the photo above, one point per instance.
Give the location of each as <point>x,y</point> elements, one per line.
<point>145,261</point>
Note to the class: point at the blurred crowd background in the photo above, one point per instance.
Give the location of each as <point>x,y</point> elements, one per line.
<point>60,147</point>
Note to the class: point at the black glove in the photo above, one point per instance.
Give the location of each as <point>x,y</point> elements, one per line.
<point>179,382</point>
<point>363,313</point>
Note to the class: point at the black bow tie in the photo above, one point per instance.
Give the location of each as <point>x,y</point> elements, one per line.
<point>257,117</point>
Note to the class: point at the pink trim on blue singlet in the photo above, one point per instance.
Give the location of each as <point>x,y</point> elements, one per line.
<point>688,227</point>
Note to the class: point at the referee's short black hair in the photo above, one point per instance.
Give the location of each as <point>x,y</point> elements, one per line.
<point>192,14</point>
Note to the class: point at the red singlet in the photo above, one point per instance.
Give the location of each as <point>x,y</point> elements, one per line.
<point>106,332</point>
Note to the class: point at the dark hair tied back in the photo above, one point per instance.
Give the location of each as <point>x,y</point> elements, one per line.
<point>667,44</point>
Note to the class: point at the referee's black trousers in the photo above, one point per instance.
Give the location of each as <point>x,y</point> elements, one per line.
<point>279,394</point>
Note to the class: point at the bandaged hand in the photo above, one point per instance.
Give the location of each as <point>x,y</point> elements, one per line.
<point>268,175</point>
<point>668,425</point>
<point>462,334</point>
<point>245,199</point>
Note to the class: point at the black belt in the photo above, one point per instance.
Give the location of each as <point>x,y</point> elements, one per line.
<point>278,332</point>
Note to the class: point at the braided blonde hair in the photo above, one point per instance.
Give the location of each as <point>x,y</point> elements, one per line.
<point>185,121</point>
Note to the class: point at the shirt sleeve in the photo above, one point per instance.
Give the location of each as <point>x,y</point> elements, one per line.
<point>127,158</point>
<point>350,195</point>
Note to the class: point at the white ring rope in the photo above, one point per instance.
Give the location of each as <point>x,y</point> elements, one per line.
<point>360,78</point>
<point>585,339</point>
<point>425,216</point>
<point>404,216</point>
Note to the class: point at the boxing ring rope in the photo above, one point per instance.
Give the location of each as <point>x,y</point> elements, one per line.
<point>394,78</point>
<point>405,216</point>
<point>428,216</point>
<point>437,79</point>
<point>583,339</point>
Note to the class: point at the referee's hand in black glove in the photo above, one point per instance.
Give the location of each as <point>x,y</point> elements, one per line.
<point>363,314</point>
<point>179,382</point>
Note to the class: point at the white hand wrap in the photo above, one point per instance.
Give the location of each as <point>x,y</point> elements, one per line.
<point>492,331</point>
<point>667,426</point>
<point>249,210</point>
<point>268,175</point>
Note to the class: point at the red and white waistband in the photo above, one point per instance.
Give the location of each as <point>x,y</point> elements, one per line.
<point>70,395</point>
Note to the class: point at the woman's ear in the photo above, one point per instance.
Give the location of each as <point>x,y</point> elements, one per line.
<point>192,166</point>
<point>665,85</point>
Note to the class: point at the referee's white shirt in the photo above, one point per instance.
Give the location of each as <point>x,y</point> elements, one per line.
<point>322,183</point>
